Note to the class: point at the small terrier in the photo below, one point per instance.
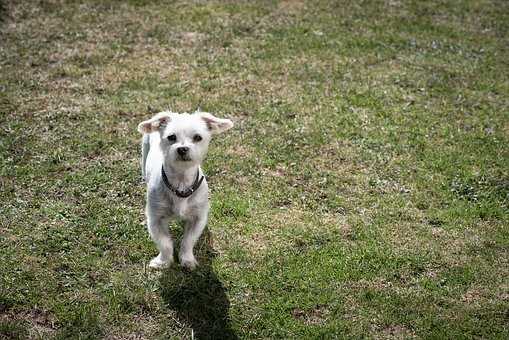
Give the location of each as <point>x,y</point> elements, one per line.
<point>173,147</point>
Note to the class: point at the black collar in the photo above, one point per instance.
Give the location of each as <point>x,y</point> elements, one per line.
<point>183,193</point>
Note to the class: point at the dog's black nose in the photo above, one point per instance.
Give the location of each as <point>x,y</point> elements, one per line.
<point>182,150</point>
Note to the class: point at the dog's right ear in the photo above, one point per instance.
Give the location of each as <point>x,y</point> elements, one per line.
<point>155,123</point>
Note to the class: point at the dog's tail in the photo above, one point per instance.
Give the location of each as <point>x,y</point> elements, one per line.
<point>145,147</point>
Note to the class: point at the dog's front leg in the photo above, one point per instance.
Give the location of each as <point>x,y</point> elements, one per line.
<point>158,229</point>
<point>193,229</point>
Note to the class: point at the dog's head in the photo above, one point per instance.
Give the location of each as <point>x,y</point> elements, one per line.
<point>185,137</point>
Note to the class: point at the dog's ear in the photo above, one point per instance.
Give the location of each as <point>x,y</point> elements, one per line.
<point>214,124</point>
<point>155,123</point>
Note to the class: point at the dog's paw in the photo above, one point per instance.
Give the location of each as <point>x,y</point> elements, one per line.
<point>157,263</point>
<point>188,262</point>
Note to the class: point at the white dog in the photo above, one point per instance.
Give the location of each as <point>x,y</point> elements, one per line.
<point>174,145</point>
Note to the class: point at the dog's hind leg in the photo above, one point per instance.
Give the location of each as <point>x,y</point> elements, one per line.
<point>145,147</point>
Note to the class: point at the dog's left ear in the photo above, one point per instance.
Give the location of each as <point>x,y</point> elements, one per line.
<point>214,124</point>
<point>154,123</point>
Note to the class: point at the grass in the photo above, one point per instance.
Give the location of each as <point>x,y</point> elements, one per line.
<point>364,191</point>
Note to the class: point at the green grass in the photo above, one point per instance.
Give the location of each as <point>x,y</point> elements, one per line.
<point>364,191</point>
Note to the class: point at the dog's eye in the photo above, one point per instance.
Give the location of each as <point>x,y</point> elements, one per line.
<point>197,138</point>
<point>172,138</point>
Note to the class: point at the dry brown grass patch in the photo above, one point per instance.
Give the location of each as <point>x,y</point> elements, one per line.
<point>314,316</point>
<point>40,322</point>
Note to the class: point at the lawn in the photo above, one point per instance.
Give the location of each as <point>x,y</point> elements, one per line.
<point>363,192</point>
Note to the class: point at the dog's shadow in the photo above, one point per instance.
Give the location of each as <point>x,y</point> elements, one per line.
<point>199,297</point>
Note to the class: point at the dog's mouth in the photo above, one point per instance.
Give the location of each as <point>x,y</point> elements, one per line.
<point>184,158</point>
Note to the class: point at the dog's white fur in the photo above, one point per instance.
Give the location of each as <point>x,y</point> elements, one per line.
<point>162,204</point>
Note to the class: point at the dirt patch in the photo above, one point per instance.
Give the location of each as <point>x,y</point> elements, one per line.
<point>472,296</point>
<point>40,322</point>
<point>398,332</point>
<point>291,6</point>
<point>240,150</point>
<point>314,316</point>
<point>191,38</point>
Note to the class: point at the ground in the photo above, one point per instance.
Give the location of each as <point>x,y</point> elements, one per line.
<point>364,191</point>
